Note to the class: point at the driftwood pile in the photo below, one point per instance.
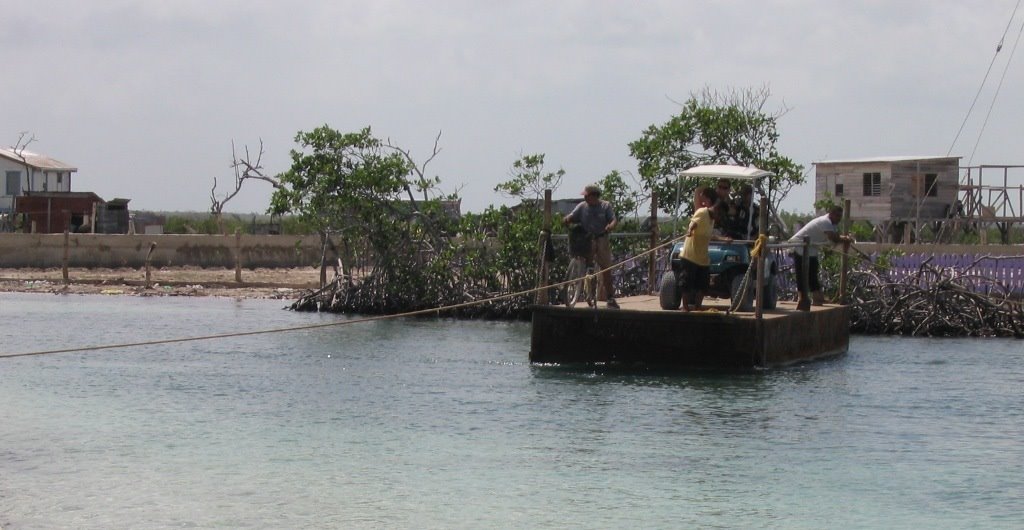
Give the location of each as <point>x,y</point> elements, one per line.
<point>934,302</point>
<point>365,297</point>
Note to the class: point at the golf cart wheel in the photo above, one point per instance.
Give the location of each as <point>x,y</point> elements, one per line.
<point>669,294</point>
<point>771,294</point>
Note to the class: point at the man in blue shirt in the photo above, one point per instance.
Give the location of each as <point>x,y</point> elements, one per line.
<point>598,219</point>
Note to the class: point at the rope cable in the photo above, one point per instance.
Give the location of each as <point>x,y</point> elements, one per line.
<point>996,95</point>
<point>306,327</point>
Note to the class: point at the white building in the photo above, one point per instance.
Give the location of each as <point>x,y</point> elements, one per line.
<point>30,172</point>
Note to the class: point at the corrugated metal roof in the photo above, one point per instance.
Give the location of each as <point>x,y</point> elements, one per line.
<point>888,159</point>
<point>36,160</point>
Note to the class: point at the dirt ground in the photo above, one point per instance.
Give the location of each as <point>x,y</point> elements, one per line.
<point>279,284</point>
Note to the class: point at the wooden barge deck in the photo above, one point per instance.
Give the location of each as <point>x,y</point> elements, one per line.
<point>643,333</point>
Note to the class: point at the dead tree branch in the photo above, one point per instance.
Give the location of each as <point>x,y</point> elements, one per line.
<point>245,169</point>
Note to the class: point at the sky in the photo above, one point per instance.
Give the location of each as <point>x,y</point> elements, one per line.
<point>146,97</point>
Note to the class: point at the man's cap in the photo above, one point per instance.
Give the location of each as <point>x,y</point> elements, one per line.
<point>591,189</point>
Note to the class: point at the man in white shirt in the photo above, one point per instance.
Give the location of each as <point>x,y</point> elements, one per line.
<point>820,230</point>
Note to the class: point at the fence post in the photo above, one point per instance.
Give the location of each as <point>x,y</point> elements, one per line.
<point>844,259</point>
<point>149,258</point>
<point>545,237</point>
<point>652,263</point>
<point>762,222</point>
<point>238,255</point>
<point>67,251</point>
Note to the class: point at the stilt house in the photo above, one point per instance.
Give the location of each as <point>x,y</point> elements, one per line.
<point>887,190</point>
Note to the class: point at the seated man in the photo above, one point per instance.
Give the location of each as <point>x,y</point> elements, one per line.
<point>744,223</point>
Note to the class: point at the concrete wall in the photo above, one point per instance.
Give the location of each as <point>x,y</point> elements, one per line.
<point>116,250</point>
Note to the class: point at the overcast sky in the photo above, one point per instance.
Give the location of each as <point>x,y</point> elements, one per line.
<point>145,97</point>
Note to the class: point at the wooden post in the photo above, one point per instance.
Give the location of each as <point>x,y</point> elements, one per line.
<point>67,252</point>
<point>238,255</point>
<point>323,260</point>
<point>545,236</point>
<point>149,260</point>
<point>844,258</point>
<point>652,263</point>
<point>762,222</point>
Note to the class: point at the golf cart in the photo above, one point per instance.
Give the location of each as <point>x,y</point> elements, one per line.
<point>729,261</point>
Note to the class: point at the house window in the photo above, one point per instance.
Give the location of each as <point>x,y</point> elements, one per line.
<point>13,183</point>
<point>60,180</point>
<point>872,184</point>
<point>839,190</point>
<point>931,184</point>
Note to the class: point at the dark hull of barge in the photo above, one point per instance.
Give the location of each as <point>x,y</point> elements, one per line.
<point>641,333</point>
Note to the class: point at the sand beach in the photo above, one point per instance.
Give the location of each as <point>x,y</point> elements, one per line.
<point>282,284</point>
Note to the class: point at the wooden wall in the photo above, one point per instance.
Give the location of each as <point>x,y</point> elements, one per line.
<point>910,204</point>
<point>851,177</point>
<point>902,191</point>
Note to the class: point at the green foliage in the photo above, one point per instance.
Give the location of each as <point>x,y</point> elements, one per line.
<point>884,259</point>
<point>341,181</point>
<point>713,129</point>
<point>624,198</point>
<point>825,203</point>
<point>862,230</point>
<point>295,225</point>
<point>529,179</point>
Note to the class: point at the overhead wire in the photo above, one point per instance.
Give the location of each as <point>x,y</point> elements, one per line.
<point>1006,68</point>
<point>984,80</point>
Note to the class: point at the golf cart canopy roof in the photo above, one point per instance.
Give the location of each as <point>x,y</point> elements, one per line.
<point>725,171</point>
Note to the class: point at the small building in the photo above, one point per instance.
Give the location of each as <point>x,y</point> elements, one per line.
<point>559,207</point>
<point>74,211</point>
<point>54,212</point>
<point>149,223</point>
<point>27,172</point>
<point>112,217</point>
<point>891,190</point>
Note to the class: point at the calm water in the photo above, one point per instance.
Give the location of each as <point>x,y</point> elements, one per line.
<point>444,424</point>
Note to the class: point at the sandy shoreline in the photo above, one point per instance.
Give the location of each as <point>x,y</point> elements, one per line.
<point>278,284</point>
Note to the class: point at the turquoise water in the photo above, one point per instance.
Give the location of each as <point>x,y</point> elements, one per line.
<point>444,424</point>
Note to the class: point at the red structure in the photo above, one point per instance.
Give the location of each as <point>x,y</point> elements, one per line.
<point>55,212</point>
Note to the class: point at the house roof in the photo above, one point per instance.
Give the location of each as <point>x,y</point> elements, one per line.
<point>36,160</point>
<point>888,159</point>
<point>64,195</point>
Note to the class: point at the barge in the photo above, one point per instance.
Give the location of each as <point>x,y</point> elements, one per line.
<point>643,333</point>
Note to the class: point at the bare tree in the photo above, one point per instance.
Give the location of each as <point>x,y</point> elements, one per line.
<point>423,183</point>
<point>245,169</point>
<point>19,151</point>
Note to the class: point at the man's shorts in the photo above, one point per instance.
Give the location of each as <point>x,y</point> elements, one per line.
<point>693,277</point>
